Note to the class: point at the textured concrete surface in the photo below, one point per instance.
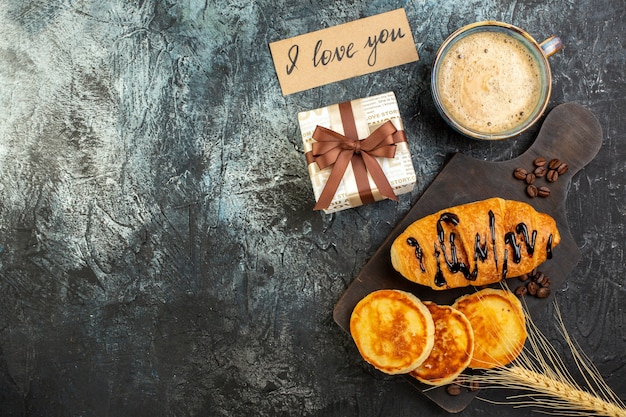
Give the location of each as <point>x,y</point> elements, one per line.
<point>159,255</point>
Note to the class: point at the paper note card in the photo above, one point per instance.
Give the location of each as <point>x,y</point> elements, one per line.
<point>356,48</point>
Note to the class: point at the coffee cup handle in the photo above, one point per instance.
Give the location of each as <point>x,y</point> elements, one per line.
<point>551,46</point>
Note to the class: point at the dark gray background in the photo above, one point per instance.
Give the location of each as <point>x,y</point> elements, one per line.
<point>159,255</point>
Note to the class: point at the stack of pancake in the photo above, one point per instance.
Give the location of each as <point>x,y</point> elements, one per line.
<point>399,334</point>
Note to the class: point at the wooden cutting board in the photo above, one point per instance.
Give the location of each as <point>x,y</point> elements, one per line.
<point>570,133</point>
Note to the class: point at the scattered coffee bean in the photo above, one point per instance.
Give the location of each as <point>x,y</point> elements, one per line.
<point>540,172</point>
<point>552,175</point>
<point>550,170</point>
<point>453,389</point>
<point>543,191</point>
<point>554,164</point>
<point>540,279</point>
<point>521,291</point>
<point>520,173</point>
<point>543,292</point>
<point>536,283</point>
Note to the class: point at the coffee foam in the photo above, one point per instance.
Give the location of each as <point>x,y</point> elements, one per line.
<point>489,82</point>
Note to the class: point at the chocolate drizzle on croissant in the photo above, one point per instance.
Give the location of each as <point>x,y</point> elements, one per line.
<point>514,228</point>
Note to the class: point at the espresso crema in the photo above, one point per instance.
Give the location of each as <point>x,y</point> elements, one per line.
<point>489,82</point>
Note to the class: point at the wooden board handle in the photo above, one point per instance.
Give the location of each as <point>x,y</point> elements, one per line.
<point>572,131</point>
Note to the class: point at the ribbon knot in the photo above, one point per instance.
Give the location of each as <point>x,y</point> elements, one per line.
<point>332,148</point>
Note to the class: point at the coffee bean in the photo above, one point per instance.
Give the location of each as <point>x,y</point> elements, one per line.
<point>453,389</point>
<point>521,291</point>
<point>543,191</point>
<point>543,292</point>
<point>552,175</point>
<point>554,164</point>
<point>542,168</point>
<point>520,173</point>
<point>540,279</point>
<point>474,385</point>
<point>524,277</point>
<point>538,286</point>
<point>540,171</point>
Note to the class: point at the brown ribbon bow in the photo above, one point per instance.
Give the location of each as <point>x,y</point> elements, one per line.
<point>336,149</point>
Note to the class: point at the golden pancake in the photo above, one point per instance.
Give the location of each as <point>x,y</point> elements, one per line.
<point>393,330</point>
<point>499,325</point>
<point>454,345</point>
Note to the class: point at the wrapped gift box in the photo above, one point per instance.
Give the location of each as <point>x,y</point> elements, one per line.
<point>356,152</point>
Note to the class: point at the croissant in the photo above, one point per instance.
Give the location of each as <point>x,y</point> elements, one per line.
<point>474,244</point>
